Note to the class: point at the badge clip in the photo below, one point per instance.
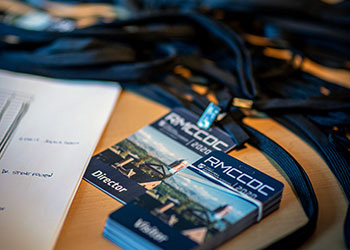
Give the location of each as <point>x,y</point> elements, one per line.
<point>242,103</point>
<point>208,117</point>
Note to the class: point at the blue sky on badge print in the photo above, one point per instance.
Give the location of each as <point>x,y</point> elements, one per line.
<point>209,194</point>
<point>161,146</point>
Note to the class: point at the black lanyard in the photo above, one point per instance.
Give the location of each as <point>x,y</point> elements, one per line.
<point>140,57</point>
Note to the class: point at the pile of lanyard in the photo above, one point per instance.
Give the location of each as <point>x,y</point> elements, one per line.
<point>168,50</point>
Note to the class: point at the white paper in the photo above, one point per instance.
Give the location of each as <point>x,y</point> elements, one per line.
<point>55,126</point>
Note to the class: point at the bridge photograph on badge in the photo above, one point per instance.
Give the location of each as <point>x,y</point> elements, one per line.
<point>148,157</point>
<point>194,205</point>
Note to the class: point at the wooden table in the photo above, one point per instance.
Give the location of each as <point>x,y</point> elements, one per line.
<point>86,218</point>
<point>85,221</point>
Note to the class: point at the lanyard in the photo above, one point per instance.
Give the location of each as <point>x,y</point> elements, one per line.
<point>141,56</point>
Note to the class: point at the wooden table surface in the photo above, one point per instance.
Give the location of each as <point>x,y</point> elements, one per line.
<point>86,218</point>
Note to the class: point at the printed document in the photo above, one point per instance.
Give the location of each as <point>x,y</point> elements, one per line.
<point>48,131</point>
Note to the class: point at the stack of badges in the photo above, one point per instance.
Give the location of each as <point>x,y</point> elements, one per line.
<point>199,207</point>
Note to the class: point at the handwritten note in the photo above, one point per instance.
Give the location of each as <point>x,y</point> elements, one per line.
<point>49,141</point>
<point>26,173</point>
